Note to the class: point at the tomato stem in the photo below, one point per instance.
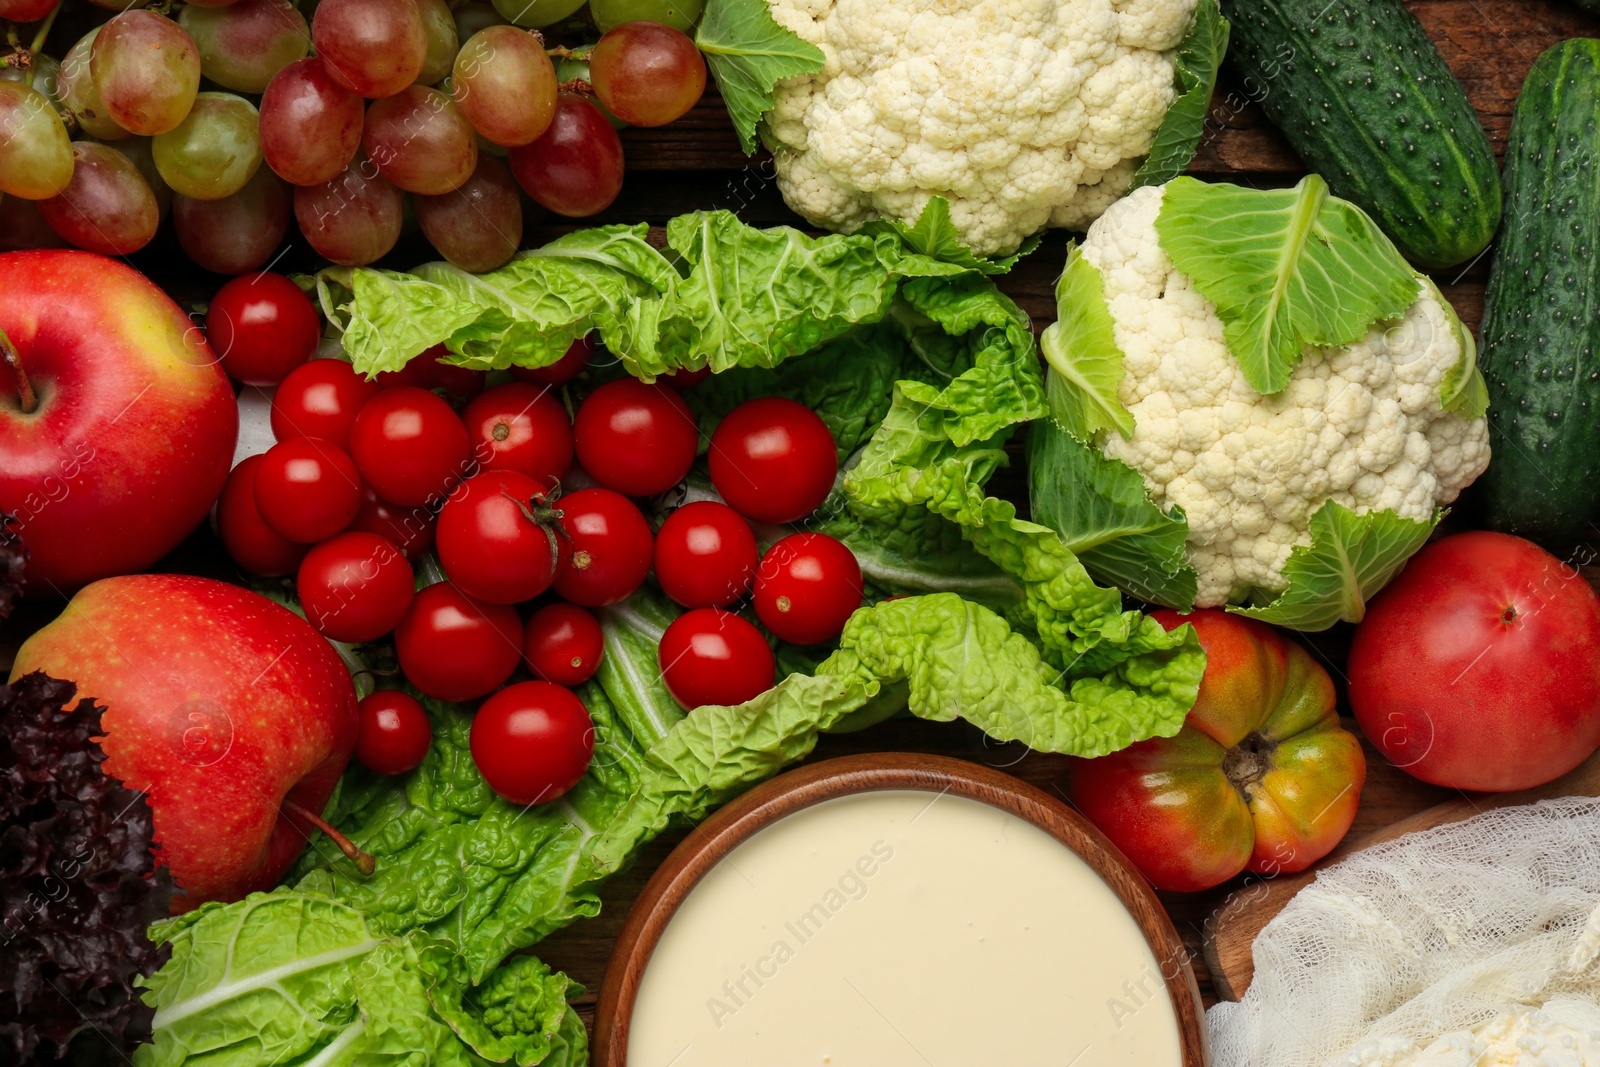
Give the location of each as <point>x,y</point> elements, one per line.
<point>8,352</point>
<point>363,860</point>
<point>1246,763</point>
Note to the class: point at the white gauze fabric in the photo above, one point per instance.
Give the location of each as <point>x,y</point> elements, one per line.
<point>1436,932</point>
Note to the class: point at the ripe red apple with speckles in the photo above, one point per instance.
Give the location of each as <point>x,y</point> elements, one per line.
<point>229,711</point>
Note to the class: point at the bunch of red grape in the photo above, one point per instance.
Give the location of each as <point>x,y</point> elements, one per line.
<point>368,476</point>
<point>236,115</point>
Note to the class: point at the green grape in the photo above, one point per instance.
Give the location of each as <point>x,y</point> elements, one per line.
<point>505,85</point>
<point>213,151</point>
<point>147,70</point>
<point>679,14</point>
<point>75,84</point>
<point>576,68</point>
<point>243,45</point>
<point>440,26</point>
<point>140,151</point>
<point>46,70</point>
<point>474,16</point>
<point>35,151</point>
<point>536,12</point>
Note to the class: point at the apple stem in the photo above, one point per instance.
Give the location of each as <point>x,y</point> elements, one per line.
<point>363,860</point>
<point>8,352</point>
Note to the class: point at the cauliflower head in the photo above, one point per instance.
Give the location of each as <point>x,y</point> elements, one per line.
<point>1360,425</point>
<point>1021,113</point>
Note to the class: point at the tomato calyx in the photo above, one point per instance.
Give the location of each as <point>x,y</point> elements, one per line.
<point>540,509</point>
<point>1247,763</point>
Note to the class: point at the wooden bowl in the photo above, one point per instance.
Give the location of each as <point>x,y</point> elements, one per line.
<point>764,805</point>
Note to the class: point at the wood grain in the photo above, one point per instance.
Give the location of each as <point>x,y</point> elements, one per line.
<point>814,783</point>
<point>1232,930</point>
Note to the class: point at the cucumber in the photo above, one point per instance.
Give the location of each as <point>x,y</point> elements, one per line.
<point>1541,325</point>
<point>1366,100</point>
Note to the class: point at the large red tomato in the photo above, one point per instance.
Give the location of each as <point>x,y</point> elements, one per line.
<point>1261,776</point>
<point>1479,667</point>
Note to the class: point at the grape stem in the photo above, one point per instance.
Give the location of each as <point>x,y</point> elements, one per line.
<point>8,352</point>
<point>38,43</point>
<point>561,51</point>
<point>576,85</point>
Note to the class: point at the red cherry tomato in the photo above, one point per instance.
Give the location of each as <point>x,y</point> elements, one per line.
<point>424,371</point>
<point>262,327</point>
<point>455,648</point>
<point>409,445</point>
<point>320,399</point>
<point>532,742</point>
<point>710,656</point>
<point>394,733</point>
<point>773,460</point>
<point>521,428</point>
<point>706,555</point>
<point>410,529</point>
<point>354,587</point>
<point>254,545</point>
<point>562,370</point>
<point>500,537</point>
<point>307,489</point>
<point>685,379</point>
<point>635,438</point>
<point>563,644</point>
<point>808,586</point>
<point>610,548</point>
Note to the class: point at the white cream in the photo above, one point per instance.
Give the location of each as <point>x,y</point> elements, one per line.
<point>902,929</point>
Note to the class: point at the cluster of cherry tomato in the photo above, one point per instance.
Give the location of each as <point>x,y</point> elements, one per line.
<point>368,475</point>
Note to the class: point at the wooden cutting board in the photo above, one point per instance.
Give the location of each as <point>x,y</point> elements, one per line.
<point>1232,929</point>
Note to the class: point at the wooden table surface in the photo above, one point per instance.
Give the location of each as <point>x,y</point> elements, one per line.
<point>695,163</point>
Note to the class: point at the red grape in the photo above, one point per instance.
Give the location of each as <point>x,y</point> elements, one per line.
<point>320,399</point>
<point>238,232</point>
<point>419,141</point>
<point>147,71</point>
<point>440,26</point>
<point>142,152</point>
<point>372,47</point>
<point>505,85</point>
<point>108,206</point>
<point>394,735</point>
<point>353,219</point>
<point>22,227</point>
<point>75,87</point>
<point>36,160</point>
<point>478,226</point>
<point>575,167</point>
<point>244,44</point>
<point>26,10</point>
<point>647,74</point>
<point>262,327</point>
<point>310,124</point>
<point>354,587</point>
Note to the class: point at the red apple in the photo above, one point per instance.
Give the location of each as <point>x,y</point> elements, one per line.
<point>116,423</point>
<point>228,710</point>
<point>1479,667</point>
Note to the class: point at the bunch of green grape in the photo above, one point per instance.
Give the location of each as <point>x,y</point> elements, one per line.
<point>235,117</point>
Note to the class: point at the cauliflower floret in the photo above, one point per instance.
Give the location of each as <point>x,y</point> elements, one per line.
<point>1022,113</point>
<point>1358,425</point>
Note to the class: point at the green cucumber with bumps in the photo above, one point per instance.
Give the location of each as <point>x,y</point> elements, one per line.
<point>1541,324</point>
<point>1364,97</point>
